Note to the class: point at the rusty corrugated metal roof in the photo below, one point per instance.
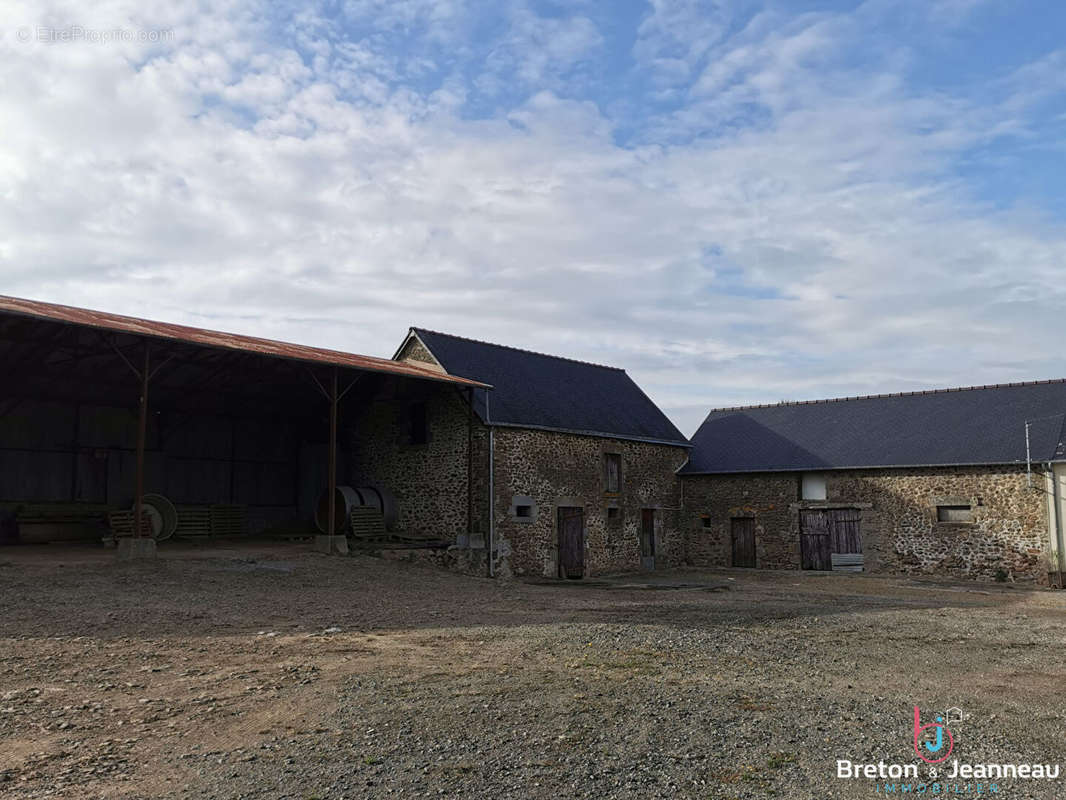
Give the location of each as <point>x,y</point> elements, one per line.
<point>217,339</point>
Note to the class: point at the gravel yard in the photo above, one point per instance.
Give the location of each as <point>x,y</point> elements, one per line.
<point>273,672</point>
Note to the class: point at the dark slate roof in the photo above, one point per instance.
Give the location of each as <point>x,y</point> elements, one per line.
<point>975,425</point>
<point>533,390</point>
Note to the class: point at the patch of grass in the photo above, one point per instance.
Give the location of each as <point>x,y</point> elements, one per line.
<point>373,761</point>
<point>779,760</point>
<point>461,766</point>
<point>751,704</point>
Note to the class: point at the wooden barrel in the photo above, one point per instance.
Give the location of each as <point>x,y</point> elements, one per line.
<point>349,497</point>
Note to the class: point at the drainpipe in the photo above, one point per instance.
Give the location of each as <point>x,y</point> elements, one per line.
<point>492,490</point>
<point>1056,501</point>
<point>1028,460</point>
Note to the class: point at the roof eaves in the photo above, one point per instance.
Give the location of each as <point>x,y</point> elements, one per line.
<point>597,434</point>
<point>220,340</point>
<point>822,468</point>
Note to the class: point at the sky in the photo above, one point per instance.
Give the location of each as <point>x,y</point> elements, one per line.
<point>738,202</point>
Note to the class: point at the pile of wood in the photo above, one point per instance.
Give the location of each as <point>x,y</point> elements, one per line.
<point>194,522</point>
<point>229,520</point>
<point>121,523</point>
<point>199,522</point>
<point>61,513</point>
<point>368,531</point>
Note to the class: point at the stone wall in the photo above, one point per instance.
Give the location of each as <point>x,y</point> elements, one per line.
<point>548,470</point>
<point>435,482</point>
<point>428,480</point>
<point>414,350</point>
<point>711,502</point>
<point>900,531</point>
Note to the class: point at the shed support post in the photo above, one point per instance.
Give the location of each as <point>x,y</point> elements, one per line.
<point>138,545</point>
<point>332,542</point>
<point>142,432</point>
<point>332,483</point>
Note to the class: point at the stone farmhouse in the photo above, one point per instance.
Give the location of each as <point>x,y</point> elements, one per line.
<point>964,482</point>
<point>504,462</point>
<point>576,465</point>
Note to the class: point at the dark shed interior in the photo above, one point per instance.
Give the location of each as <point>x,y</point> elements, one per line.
<point>236,430</point>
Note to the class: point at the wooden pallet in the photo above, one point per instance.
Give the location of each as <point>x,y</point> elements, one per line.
<point>61,513</point>
<point>121,523</point>
<point>847,562</point>
<point>227,520</point>
<point>194,521</point>
<point>368,525</point>
<point>368,531</point>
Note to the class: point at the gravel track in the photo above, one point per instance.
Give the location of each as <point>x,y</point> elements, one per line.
<point>269,672</point>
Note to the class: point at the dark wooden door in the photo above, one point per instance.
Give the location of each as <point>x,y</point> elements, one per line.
<point>571,542</point>
<point>844,530</point>
<point>743,542</point>
<point>815,545</point>
<point>647,538</point>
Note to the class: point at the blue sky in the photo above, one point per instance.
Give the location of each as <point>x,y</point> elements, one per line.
<point>739,202</point>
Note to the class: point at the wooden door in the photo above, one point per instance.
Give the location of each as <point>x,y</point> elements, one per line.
<point>844,530</point>
<point>743,542</point>
<point>647,538</point>
<point>571,542</point>
<point>815,545</point>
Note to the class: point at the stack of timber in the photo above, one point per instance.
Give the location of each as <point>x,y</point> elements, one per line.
<point>121,523</point>
<point>194,522</point>
<point>59,522</point>
<point>368,531</point>
<point>229,520</point>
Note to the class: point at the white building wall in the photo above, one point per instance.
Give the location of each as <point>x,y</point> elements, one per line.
<point>1056,492</point>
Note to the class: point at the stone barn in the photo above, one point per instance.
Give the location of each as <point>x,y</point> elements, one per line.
<point>964,482</point>
<point>577,465</point>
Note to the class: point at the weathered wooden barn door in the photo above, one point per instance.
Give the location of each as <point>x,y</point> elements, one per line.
<point>571,542</point>
<point>647,538</point>
<point>743,542</point>
<point>815,545</point>
<point>844,530</point>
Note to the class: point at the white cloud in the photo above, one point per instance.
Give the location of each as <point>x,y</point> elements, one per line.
<point>298,187</point>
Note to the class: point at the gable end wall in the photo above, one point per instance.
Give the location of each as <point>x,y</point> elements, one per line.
<point>559,469</point>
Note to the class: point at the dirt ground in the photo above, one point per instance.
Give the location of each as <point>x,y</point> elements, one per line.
<point>273,672</point>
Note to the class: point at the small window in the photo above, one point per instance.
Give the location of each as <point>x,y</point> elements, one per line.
<point>612,470</point>
<point>523,509</point>
<point>614,515</point>
<point>705,521</point>
<point>954,513</point>
<point>813,486</point>
<point>419,424</point>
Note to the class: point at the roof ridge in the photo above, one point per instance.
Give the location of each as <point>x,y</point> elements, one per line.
<point>916,393</point>
<point>518,349</point>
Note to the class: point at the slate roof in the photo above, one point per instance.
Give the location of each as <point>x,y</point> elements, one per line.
<point>967,426</point>
<point>534,390</point>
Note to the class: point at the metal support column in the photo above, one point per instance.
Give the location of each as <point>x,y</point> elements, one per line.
<point>332,482</point>
<point>142,428</point>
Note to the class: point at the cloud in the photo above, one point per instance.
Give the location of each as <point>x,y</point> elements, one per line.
<point>793,225</point>
<point>540,51</point>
